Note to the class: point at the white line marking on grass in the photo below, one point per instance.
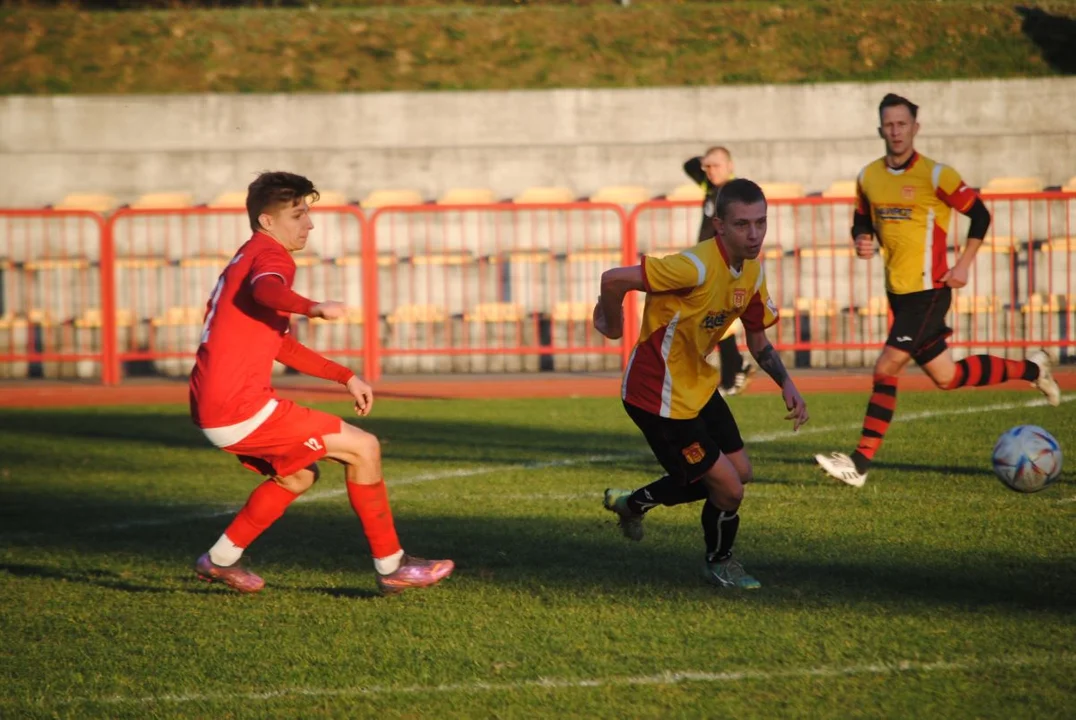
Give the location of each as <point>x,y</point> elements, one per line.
<point>562,462</point>
<point>664,678</point>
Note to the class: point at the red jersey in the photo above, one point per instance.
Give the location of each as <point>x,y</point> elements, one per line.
<point>231,380</point>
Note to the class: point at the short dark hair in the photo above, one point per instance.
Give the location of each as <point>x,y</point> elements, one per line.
<point>720,149</point>
<point>740,190</point>
<point>270,190</point>
<point>894,100</point>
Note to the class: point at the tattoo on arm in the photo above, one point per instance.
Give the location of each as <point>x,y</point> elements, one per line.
<point>769,361</point>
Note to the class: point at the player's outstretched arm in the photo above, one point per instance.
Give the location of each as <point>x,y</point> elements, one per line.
<point>272,292</point>
<point>302,359</point>
<point>768,359</point>
<point>609,312</point>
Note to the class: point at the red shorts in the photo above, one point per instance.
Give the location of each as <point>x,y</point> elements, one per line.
<point>291,439</point>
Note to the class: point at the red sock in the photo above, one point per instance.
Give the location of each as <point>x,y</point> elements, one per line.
<point>264,507</point>
<point>371,504</point>
<point>880,407</point>
<point>980,370</point>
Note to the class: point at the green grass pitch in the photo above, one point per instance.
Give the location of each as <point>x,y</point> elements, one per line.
<point>931,592</point>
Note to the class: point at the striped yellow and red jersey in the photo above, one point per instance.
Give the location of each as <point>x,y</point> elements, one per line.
<point>692,299</point>
<point>911,208</point>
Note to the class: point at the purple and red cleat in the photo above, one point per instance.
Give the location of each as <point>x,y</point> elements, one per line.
<point>233,576</point>
<point>414,572</point>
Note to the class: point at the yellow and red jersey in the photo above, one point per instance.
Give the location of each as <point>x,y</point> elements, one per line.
<point>911,208</point>
<point>692,299</point>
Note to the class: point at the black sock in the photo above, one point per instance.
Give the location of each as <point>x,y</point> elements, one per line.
<point>666,491</point>
<point>731,361</point>
<point>861,461</point>
<point>719,531</point>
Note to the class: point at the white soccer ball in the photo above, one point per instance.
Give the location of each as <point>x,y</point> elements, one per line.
<point>1027,458</point>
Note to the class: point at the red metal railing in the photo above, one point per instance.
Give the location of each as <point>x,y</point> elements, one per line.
<point>443,288</point>
<point>54,294</point>
<point>494,286</point>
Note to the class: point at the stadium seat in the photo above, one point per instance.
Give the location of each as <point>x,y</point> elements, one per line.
<point>782,190</point>
<point>332,198</point>
<point>417,313</point>
<point>1006,185</point>
<point>1070,185</point>
<point>93,202</point>
<point>544,195</point>
<point>687,191</point>
<point>994,269</point>
<point>1055,266</point>
<point>840,189</point>
<point>495,312</point>
<point>232,199</point>
<point>467,196</point>
<point>14,338</point>
<point>621,194</point>
<point>974,319</point>
<point>386,198</point>
<point>164,201</point>
<point>572,327</point>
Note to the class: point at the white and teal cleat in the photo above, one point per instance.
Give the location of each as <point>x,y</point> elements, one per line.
<point>729,573</point>
<point>631,523</point>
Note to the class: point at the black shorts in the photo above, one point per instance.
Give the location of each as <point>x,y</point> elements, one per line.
<point>688,448</point>
<point>919,327</point>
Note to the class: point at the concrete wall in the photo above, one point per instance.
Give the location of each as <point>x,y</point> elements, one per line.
<point>812,134</point>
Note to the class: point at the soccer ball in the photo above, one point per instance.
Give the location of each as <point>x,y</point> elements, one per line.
<point>1027,459</point>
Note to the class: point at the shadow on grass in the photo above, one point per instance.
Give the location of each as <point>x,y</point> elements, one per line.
<point>540,554</point>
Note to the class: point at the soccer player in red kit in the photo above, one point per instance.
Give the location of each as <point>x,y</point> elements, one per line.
<point>233,402</point>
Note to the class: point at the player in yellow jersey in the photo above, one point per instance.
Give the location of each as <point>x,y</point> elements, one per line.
<point>669,389</point>
<point>905,200</point>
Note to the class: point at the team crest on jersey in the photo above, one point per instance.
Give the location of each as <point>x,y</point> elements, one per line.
<point>908,192</point>
<point>694,453</point>
<point>739,297</point>
<point>714,320</point>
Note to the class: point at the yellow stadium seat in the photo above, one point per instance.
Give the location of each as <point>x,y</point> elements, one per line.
<point>687,191</point>
<point>542,195</point>
<point>967,304</point>
<point>1042,303</point>
<point>621,194</point>
<point>1070,185</point>
<point>164,201</point>
<point>385,198</point>
<point>495,312</point>
<point>231,199</point>
<point>573,311</point>
<point>332,198</point>
<point>876,306</point>
<point>1005,185</point>
<point>840,189</point>
<point>816,306</point>
<point>91,318</point>
<point>467,196</point>
<point>179,316</point>
<point>93,202</point>
<point>415,313</point>
<point>783,190</point>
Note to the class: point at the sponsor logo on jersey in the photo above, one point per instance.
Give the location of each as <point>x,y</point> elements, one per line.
<point>714,320</point>
<point>894,213</point>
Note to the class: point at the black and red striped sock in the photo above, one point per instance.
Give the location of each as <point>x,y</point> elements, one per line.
<point>880,407</point>
<point>980,370</point>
